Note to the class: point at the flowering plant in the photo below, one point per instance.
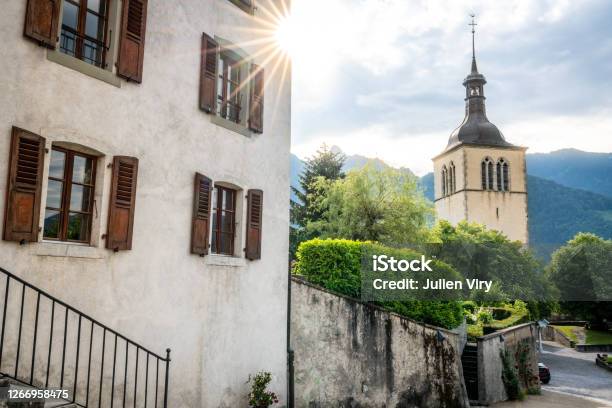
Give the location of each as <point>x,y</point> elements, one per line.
<point>260,397</point>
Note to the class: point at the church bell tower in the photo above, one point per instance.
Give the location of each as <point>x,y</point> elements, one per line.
<point>480,177</point>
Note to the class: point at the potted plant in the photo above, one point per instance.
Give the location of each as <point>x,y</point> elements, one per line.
<point>260,397</point>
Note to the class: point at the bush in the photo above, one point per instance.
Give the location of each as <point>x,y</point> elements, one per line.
<point>260,397</point>
<point>485,317</point>
<point>470,306</point>
<point>336,265</point>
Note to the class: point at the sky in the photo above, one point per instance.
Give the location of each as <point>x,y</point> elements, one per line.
<point>383,78</point>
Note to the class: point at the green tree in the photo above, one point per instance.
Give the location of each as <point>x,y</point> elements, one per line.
<point>324,165</point>
<point>370,204</point>
<point>582,271</point>
<point>485,254</point>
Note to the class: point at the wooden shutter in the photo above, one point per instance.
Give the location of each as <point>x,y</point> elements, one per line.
<point>132,41</point>
<point>201,215</point>
<point>256,100</point>
<point>41,23</point>
<point>25,174</point>
<point>122,203</point>
<point>208,74</point>
<point>254,222</point>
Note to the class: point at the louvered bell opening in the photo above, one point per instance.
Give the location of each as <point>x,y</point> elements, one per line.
<point>135,15</point>
<point>203,199</point>
<point>255,210</point>
<point>211,62</point>
<point>125,184</point>
<point>27,162</point>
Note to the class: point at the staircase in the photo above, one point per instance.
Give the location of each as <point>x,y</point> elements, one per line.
<point>46,344</point>
<point>469,360</point>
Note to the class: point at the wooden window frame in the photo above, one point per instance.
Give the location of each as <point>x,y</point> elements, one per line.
<point>66,193</point>
<point>224,100</point>
<point>217,217</point>
<point>80,32</point>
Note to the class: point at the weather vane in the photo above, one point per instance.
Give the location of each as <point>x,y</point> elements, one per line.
<point>473,24</point>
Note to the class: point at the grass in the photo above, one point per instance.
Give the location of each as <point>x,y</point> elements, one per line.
<point>598,337</point>
<point>569,331</point>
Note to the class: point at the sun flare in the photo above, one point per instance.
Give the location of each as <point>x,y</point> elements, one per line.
<point>285,35</point>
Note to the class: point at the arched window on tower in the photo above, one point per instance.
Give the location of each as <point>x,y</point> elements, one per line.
<point>444,181</point>
<point>503,171</point>
<point>487,174</point>
<point>453,181</point>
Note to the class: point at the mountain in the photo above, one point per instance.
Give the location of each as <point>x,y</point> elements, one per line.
<point>569,192</point>
<point>557,212</point>
<point>574,168</point>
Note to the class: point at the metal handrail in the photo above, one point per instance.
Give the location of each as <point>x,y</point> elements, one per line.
<point>107,332</point>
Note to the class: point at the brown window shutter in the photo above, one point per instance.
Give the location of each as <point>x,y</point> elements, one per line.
<point>208,74</point>
<point>132,41</point>
<point>256,99</point>
<point>25,175</point>
<point>254,223</point>
<point>201,215</point>
<point>122,203</point>
<point>41,23</point>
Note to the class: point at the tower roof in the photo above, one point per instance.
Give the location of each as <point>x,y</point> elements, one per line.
<point>476,128</point>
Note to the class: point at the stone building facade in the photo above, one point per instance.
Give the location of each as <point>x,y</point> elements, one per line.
<point>144,181</point>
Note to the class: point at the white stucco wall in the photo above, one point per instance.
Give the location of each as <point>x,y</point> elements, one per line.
<point>223,318</point>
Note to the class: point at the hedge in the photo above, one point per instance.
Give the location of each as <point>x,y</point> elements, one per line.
<point>335,264</point>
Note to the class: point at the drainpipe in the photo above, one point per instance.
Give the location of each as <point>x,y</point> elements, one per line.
<point>290,384</point>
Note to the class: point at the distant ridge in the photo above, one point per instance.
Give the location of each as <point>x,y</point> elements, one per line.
<point>570,191</point>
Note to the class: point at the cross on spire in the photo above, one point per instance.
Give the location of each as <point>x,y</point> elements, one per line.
<point>473,24</point>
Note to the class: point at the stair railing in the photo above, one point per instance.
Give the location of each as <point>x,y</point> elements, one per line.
<point>47,344</point>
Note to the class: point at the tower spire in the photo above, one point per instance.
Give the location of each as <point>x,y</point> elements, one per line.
<point>473,24</point>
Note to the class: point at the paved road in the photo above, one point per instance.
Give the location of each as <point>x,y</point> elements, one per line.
<point>550,399</point>
<point>576,373</point>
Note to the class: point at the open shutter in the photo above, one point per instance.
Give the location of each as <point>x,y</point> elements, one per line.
<point>208,74</point>
<point>25,175</point>
<point>201,215</point>
<point>256,99</point>
<point>254,222</point>
<point>132,41</point>
<point>42,18</point>
<point>122,203</point>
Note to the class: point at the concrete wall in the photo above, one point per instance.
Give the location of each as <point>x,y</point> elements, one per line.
<point>552,334</point>
<point>348,354</point>
<point>490,385</point>
<point>223,317</point>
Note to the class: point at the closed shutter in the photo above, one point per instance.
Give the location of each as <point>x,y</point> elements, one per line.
<point>256,99</point>
<point>208,74</point>
<point>201,215</point>
<point>41,23</point>
<point>254,223</point>
<point>132,41</point>
<point>25,175</point>
<point>122,203</point>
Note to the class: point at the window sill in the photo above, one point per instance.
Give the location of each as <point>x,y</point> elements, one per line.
<point>228,124</point>
<point>83,67</point>
<point>225,260</point>
<point>68,250</point>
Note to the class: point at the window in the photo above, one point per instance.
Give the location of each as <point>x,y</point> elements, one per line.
<point>223,221</point>
<point>229,92</point>
<point>503,183</point>
<point>487,174</point>
<point>452,182</point>
<point>70,189</point>
<point>84,30</point>
<point>444,181</point>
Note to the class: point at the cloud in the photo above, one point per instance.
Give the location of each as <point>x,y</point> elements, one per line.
<point>384,75</point>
